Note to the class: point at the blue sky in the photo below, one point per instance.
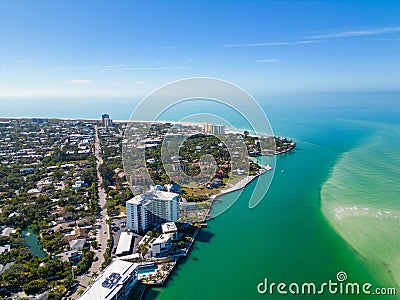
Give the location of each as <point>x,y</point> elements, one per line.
<point>128,48</point>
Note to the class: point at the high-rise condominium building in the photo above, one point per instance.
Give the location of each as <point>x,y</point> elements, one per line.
<point>213,129</point>
<point>151,208</point>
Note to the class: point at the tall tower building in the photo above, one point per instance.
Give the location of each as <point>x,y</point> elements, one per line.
<point>213,129</point>
<point>106,120</point>
<point>150,209</point>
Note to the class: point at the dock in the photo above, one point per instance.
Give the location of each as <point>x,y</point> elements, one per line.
<point>239,185</point>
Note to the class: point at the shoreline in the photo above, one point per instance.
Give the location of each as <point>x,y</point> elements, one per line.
<point>358,218</point>
<point>387,269</point>
<point>242,184</point>
<point>386,274</point>
<point>236,187</point>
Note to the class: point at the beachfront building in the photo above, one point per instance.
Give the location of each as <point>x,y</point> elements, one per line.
<point>115,282</point>
<point>107,122</point>
<point>151,208</point>
<point>162,245</point>
<point>213,129</point>
<point>170,227</point>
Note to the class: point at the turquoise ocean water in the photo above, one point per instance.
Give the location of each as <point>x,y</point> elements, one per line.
<point>334,208</point>
<point>347,155</point>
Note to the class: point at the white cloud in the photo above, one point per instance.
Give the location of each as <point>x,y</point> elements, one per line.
<point>146,68</point>
<point>268,44</point>
<point>22,61</point>
<point>56,69</point>
<point>140,82</point>
<point>266,60</point>
<point>120,68</point>
<point>318,38</point>
<point>355,33</point>
<point>384,39</point>
<point>79,81</point>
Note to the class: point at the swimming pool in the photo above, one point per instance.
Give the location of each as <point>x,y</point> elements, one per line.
<point>147,271</point>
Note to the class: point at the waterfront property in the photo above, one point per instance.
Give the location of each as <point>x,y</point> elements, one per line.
<point>213,129</point>
<point>107,122</point>
<point>68,151</point>
<point>115,282</point>
<point>170,227</point>
<point>151,208</point>
<point>162,245</point>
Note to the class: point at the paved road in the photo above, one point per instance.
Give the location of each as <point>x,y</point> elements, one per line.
<point>103,234</point>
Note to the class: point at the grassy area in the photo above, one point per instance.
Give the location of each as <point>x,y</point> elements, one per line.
<point>121,208</point>
<point>200,191</point>
<point>233,179</point>
<point>194,191</point>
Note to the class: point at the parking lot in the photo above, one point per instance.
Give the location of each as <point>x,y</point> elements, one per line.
<point>118,226</point>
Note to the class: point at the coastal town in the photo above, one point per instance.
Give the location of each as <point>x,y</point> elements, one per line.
<point>76,223</point>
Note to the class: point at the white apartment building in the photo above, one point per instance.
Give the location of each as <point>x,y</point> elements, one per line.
<point>151,208</point>
<point>213,129</point>
<point>161,245</point>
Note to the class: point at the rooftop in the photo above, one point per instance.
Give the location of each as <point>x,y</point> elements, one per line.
<point>77,244</point>
<point>7,231</point>
<point>168,227</point>
<point>129,256</point>
<point>153,195</point>
<point>124,243</point>
<point>163,238</point>
<point>110,281</point>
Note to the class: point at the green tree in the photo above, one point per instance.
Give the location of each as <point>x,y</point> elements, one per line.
<point>35,286</point>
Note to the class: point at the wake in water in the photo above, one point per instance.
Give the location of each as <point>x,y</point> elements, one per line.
<point>361,200</point>
<point>356,211</point>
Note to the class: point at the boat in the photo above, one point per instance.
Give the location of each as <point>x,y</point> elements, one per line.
<point>268,167</point>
